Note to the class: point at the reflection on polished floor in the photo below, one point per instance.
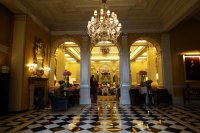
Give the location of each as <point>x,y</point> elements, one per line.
<point>107,117</point>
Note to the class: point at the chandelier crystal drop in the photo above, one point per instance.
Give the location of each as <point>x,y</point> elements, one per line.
<point>104,26</point>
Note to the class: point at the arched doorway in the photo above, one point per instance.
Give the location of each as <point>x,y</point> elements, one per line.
<point>105,68</point>
<point>65,56</point>
<point>145,56</point>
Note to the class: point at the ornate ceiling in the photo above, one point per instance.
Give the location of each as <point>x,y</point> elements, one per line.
<point>71,16</point>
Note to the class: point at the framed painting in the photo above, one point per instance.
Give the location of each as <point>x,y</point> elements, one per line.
<point>192,67</point>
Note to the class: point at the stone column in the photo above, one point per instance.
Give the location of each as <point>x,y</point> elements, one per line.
<point>85,72</point>
<point>17,63</point>
<point>160,69</point>
<point>166,62</point>
<point>53,67</point>
<point>125,70</point>
<point>60,67</point>
<point>152,70</point>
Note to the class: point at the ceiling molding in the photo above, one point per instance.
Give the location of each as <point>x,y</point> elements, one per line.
<point>70,17</point>
<point>181,9</point>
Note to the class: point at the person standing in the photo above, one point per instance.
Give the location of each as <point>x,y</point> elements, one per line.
<point>95,91</point>
<point>92,87</point>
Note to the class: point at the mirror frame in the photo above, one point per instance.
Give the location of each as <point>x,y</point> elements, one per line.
<point>39,51</point>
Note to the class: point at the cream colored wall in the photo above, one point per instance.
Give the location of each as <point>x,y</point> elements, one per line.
<point>135,68</point>
<point>63,64</point>
<point>74,68</point>
<point>60,67</point>
<point>152,64</point>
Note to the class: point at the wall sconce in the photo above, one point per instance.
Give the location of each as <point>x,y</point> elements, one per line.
<point>38,72</point>
<point>32,68</point>
<point>46,71</point>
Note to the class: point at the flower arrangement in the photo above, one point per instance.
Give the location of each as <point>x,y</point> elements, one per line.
<point>66,73</point>
<point>142,72</point>
<point>39,72</point>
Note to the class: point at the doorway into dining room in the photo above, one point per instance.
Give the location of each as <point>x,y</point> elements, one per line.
<point>104,65</point>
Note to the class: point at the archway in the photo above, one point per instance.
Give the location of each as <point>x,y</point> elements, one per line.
<point>145,56</point>
<point>105,68</point>
<point>65,56</point>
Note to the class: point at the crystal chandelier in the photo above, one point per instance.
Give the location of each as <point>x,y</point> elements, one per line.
<point>104,26</point>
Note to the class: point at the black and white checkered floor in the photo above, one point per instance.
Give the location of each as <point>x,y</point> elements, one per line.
<point>107,117</point>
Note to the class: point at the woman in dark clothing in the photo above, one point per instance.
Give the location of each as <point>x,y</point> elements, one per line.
<point>93,89</point>
<point>92,86</point>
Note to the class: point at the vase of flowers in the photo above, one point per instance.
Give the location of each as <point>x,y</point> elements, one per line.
<point>39,72</point>
<point>66,75</point>
<point>143,75</point>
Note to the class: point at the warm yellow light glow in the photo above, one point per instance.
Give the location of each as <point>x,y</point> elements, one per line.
<point>137,50</point>
<point>74,52</point>
<point>54,77</point>
<point>104,26</point>
<point>142,58</point>
<point>157,76</point>
<point>197,52</point>
<point>73,61</point>
<point>139,61</point>
<point>67,55</point>
<point>144,54</point>
<point>69,43</point>
<point>105,58</point>
<point>70,59</point>
<point>146,78</point>
<point>192,55</point>
<point>106,42</point>
<point>105,61</point>
<point>47,68</point>
<point>141,41</point>
<point>32,65</point>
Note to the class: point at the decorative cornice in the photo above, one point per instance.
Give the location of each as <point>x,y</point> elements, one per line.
<point>4,48</point>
